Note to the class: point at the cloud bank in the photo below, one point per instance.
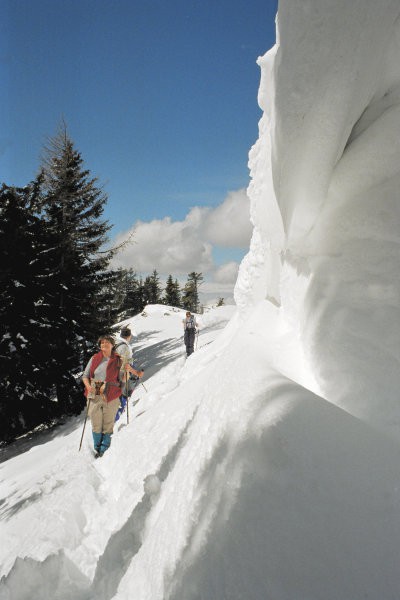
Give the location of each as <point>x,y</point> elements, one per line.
<point>179,247</point>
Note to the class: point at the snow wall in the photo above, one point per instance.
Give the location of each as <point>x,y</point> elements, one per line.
<point>325,197</point>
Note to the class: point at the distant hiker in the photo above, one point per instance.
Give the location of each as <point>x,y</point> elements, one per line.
<point>190,327</point>
<point>123,348</point>
<point>103,379</point>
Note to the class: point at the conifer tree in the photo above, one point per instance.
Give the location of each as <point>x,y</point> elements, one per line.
<point>139,296</point>
<point>78,292</point>
<point>26,249</point>
<point>172,295</point>
<point>152,289</point>
<point>156,289</point>
<point>147,290</point>
<point>113,291</point>
<point>190,298</point>
<point>133,295</point>
<point>178,294</point>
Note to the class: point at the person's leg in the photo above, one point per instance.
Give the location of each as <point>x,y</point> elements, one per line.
<point>186,340</point>
<point>97,439</point>
<point>191,342</point>
<point>109,412</point>
<point>96,417</point>
<point>121,407</point>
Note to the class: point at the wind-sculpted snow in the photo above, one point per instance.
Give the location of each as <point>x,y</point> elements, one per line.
<point>326,175</point>
<point>267,505</point>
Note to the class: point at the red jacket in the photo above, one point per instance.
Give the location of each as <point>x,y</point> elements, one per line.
<point>113,384</point>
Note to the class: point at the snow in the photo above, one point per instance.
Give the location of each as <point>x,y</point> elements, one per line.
<point>267,464</point>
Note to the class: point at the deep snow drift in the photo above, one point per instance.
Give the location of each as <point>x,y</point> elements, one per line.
<point>267,465</point>
<point>325,197</point>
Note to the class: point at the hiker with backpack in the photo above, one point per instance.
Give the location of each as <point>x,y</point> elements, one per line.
<point>103,378</point>
<point>190,327</point>
<point>123,348</point>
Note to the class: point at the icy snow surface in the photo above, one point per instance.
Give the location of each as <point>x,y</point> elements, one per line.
<point>267,465</point>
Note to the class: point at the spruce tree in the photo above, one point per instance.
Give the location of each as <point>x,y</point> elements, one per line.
<point>190,298</point>
<point>139,296</point>
<point>113,292</point>
<point>26,249</point>
<point>133,302</point>
<point>152,289</point>
<point>172,293</point>
<point>78,292</point>
<point>155,288</point>
<point>136,300</point>
<point>125,285</point>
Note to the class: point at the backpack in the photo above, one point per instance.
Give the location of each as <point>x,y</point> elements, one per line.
<point>190,324</point>
<point>120,344</point>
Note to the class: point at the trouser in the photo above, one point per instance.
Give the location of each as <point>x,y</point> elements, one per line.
<point>122,403</point>
<point>189,340</point>
<point>102,415</point>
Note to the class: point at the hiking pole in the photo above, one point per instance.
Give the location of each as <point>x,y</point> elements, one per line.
<point>143,386</point>
<point>127,397</point>
<point>84,424</point>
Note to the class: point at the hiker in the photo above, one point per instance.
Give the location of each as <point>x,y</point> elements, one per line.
<point>122,347</point>
<point>190,327</point>
<point>102,379</point>
<point>122,344</point>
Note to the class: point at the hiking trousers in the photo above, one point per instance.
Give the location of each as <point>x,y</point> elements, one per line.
<point>102,414</point>
<point>189,340</point>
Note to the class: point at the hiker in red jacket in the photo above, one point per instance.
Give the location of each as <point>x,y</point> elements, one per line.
<point>103,378</point>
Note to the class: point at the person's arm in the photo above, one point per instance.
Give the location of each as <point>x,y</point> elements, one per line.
<point>138,372</point>
<point>86,376</point>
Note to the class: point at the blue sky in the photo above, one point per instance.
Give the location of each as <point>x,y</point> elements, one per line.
<point>159,96</point>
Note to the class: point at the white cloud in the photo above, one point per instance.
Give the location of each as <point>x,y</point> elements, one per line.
<point>168,246</point>
<point>178,247</point>
<point>227,273</point>
<point>229,223</point>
